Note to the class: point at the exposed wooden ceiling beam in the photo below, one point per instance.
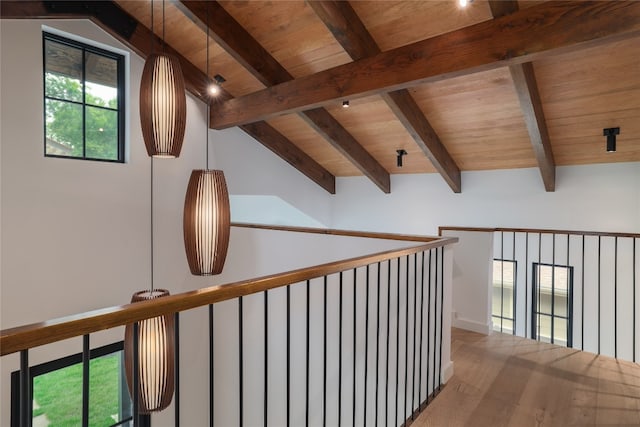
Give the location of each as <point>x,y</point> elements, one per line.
<point>229,34</point>
<point>529,97</point>
<point>523,36</point>
<point>286,150</point>
<point>501,8</point>
<point>137,37</point>
<point>527,89</point>
<point>347,27</point>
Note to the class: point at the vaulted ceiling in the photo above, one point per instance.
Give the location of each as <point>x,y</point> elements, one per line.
<point>495,85</point>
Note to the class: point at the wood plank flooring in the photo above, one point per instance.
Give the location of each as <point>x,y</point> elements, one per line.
<point>502,380</point>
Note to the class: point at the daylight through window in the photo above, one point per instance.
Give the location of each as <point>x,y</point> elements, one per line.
<point>503,300</point>
<point>83,100</point>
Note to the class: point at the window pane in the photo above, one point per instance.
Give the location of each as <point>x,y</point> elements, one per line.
<point>102,134</point>
<point>57,397</point>
<point>63,128</point>
<point>496,323</point>
<point>544,328</point>
<point>63,71</point>
<point>101,80</point>
<point>502,292</point>
<point>507,326</point>
<point>544,301</point>
<point>507,302</point>
<point>497,297</point>
<point>560,306</point>
<point>108,395</point>
<point>560,331</point>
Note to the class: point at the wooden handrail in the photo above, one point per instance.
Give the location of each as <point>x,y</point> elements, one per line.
<point>28,336</point>
<point>334,232</point>
<point>538,230</point>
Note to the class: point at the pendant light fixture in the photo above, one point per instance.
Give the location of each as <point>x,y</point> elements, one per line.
<point>163,103</point>
<point>163,117</point>
<point>206,220</point>
<point>155,357</point>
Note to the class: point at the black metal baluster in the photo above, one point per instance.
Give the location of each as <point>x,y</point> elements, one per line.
<point>421,333</point>
<point>415,307</point>
<point>288,356</point>
<point>515,286</point>
<point>266,359</point>
<point>599,241</point>
<point>582,297</point>
<point>406,336</point>
<point>377,343</point>
<point>355,306</point>
<point>340,354</point>
<point>136,373</point>
<point>26,415</point>
<point>386,381</point>
<point>211,367</point>
<point>501,279</point>
<point>324,354</point>
<point>395,418</point>
<point>240,362</point>
<point>537,286</point>
<point>441,313</point>
<point>615,299</point>
<point>176,370</point>
<point>553,287</point>
<point>526,283</point>
<point>366,345</point>
<point>428,364</point>
<point>435,322</point>
<point>307,355</point>
<point>569,306</point>
<point>86,357</point>
<point>634,299</point>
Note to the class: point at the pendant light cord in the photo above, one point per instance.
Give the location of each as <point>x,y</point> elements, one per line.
<point>152,33</point>
<point>151,225</point>
<point>208,96</point>
<point>164,44</point>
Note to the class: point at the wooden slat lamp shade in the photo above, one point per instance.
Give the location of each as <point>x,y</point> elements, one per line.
<point>155,357</point>
<point>163,105</point>
<point>206,222</point>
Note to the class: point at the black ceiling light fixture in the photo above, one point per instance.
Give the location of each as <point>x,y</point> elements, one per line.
<point>400,153</point>
<point>345,104</point>
<point>214,88</point>
<point>611,133</point>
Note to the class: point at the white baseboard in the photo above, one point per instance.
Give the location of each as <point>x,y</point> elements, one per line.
<point>447,372</point>
<point>472,325</point>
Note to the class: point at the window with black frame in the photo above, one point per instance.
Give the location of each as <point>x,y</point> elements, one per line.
<point>503,301</point>
<point>57,391</point>
<point>552,310</point>
<point>84,115</point>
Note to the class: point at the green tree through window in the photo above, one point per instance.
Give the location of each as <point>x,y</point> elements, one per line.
<point>84,114</point>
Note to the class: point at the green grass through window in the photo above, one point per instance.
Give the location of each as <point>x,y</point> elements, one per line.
<point>58,394</point>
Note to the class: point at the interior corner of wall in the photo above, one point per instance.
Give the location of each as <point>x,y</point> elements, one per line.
<point>447,372</point>
<point>473,326</point>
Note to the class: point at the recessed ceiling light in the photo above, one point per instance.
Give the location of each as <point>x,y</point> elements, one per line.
<point>464,3</point>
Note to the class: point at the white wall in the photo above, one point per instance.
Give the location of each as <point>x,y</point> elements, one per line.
<point>253,170</point>
<point>471,302</point>
<point>603,197</point>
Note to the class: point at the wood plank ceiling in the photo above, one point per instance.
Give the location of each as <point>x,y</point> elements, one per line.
<point>496,85</point>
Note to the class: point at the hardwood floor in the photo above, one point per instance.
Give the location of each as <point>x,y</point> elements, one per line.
<point>502,380</point>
